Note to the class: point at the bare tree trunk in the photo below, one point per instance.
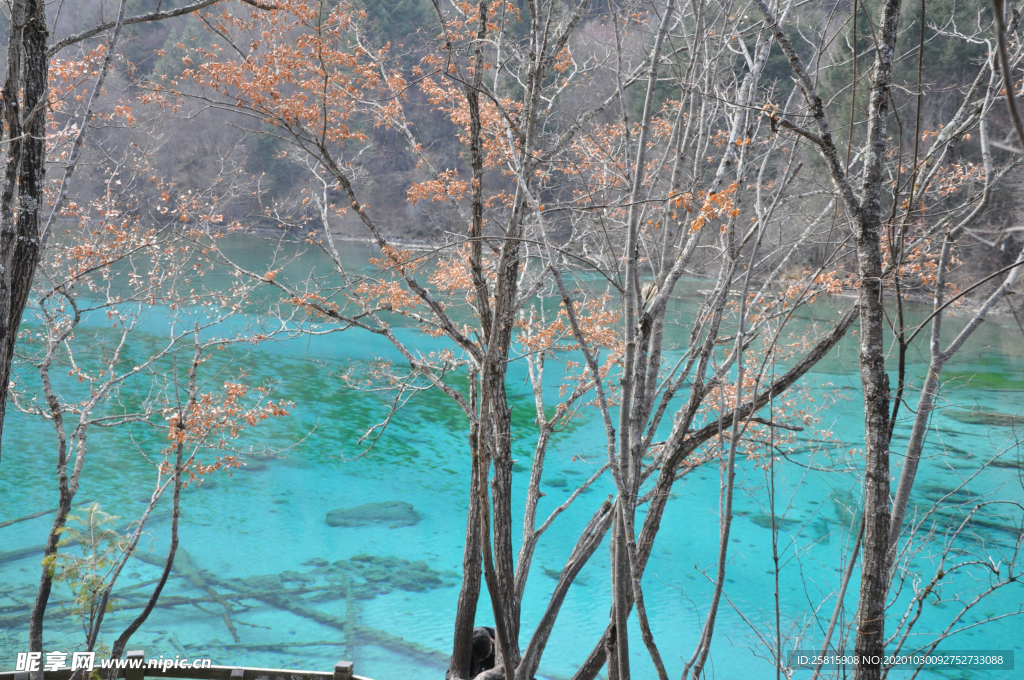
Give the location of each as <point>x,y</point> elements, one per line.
<point>700,656</point>
<point>622,596</point>
<point>67,486</point>
<point>589,541</point>
<point>504,653</point>
<point>870,639</point>
<point>866,211</point>
<point>35,625</point>
<point>122,641</point>
<point>469,593</point>
<point>999,9</point>
<point>634,366</point>
<point>495,445</point>
<point>25,109</point>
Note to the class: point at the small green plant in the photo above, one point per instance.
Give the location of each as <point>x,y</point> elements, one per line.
<point>87,573</point>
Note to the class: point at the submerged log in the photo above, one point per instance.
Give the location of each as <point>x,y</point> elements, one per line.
<point>36,515</point>
<point>183,565</point>
<point>21,553</point>
<point>285,600</point>
<point>26,518</point>
<point>279,647</point>
<point>977,417</point>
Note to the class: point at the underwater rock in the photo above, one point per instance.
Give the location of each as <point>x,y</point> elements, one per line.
<point>764,520</point>
<point>984,417</point>
<point>396,574</point>
<point>316,562</point>
<point>557,482</point>
<point>263,582</point>
<point>366,576</point>
<point>393,513</point>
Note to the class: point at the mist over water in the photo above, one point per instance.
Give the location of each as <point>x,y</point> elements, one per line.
<point>262,578</point>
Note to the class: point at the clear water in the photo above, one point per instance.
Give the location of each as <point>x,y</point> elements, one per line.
<point>263,529</point>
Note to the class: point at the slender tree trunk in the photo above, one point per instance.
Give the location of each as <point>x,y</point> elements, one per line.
<point>66,489</point>
<point>122,641</point>
<point>840,596</point>
<point>496,437</point>
<point>35,624</point>
<point>504,655</point>
<point>469,593</point>
<point>622,595</point>
<point>588,543</point>
<point>634,366</point>
<point>495,440</point>
<point>700,656</point>
<point>870,640</point>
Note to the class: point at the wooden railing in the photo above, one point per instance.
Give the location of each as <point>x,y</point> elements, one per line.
<point>342,671</point>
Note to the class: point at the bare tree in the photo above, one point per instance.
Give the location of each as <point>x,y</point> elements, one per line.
<point>580,168</point>
<point>881,264</point>
<point>111,264</point>
<point>615,207</point>
<point>27,113</point>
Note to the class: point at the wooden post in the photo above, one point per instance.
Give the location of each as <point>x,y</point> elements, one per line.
<point>343,670</point>
<point>137,670</point>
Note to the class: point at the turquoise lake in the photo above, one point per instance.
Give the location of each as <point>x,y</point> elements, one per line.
<point>263,580</point>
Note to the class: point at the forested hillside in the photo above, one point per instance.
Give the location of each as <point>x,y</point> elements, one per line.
<point>191,145</point>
